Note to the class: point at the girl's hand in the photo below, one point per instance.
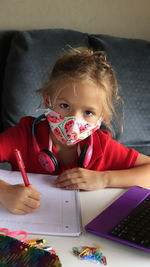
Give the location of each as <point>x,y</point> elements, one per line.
<point>20,199</point>
<point>79,178</point>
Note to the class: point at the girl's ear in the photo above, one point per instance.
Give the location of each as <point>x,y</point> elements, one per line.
<point>46,99</point>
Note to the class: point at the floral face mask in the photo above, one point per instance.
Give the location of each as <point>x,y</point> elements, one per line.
<point>70,130</point>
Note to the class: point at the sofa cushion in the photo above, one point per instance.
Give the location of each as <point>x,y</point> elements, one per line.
<point>30,59</point>
<point>130,59</point>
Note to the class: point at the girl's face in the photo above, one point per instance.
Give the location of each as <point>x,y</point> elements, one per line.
<point>81,100</point>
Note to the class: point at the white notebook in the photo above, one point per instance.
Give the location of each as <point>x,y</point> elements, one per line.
<point>58,214</point>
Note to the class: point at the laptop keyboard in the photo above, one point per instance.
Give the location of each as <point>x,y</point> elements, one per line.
<point>135,227</point>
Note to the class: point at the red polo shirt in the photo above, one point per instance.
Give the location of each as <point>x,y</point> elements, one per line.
<point>107,153</point>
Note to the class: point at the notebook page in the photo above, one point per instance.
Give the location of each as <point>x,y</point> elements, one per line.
<point>58,214</point>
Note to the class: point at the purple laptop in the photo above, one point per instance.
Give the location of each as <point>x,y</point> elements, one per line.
<point>126,220</point>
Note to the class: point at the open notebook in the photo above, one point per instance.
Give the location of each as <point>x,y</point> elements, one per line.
<point>58,214</point>
<point>126,220</point>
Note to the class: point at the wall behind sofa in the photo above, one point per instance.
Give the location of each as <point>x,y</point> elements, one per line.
<point>124,18</point>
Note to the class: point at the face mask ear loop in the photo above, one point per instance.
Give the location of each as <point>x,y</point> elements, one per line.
<point>50,144</point>
<point>78,149</point>
<point>49,102</point>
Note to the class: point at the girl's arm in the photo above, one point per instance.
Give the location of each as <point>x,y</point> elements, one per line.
<point>79,178</point>
<point>139,175</point>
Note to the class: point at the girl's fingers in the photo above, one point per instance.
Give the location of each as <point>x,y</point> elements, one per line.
<point>34,193</point>
<point>69,182</point>
<point>76,186</point>
<point>32,203</point>
<point>67,175</point>
<point>24,209</point>
<point>17,211</point>
<point>28,209</point>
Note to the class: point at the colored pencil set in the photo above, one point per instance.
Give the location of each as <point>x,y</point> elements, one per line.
<point>16,253</point>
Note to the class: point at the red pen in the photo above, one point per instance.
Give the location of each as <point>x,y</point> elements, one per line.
<point>22,167</point>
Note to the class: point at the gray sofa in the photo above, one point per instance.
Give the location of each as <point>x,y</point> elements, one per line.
<point>26,59</point>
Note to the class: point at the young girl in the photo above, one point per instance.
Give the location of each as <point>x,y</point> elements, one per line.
<point>66,140</point>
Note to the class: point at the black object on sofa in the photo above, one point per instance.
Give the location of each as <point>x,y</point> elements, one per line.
<point>26,59</point>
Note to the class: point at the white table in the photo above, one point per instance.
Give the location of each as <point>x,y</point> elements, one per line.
<point>118,255</point>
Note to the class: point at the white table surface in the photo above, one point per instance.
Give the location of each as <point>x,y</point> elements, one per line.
<point>117,255</point>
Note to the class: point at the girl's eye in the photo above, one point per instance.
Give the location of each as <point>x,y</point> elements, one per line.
<point>64,106</point>
<point>89,113</point>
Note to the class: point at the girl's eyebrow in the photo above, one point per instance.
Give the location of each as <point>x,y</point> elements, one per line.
<point>62,99</point>
<point>90,109</point>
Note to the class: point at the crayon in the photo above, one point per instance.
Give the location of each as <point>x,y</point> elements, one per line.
<point>22,167</point>
<point>36,241</point>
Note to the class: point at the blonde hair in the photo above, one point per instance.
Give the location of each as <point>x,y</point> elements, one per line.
<point>81,64</point>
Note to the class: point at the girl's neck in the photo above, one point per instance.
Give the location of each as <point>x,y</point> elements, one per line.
<point>65,153</point>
